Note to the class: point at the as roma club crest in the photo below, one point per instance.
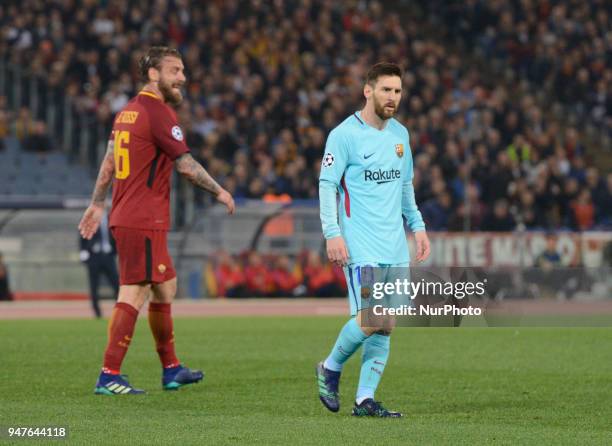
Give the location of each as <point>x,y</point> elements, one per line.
<point>399,150</point>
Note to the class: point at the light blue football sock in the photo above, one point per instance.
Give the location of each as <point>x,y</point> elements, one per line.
<point>373,361</point>
<point>350,338</point>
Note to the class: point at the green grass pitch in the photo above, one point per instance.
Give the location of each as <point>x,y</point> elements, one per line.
<point>455,386</point>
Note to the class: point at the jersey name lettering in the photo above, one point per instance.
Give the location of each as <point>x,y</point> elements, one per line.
<point>127,117</point>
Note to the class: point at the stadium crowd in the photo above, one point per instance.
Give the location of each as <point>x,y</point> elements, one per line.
<point>497,93</point>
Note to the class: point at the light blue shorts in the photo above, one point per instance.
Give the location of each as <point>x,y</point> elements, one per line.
<point>360,280</point>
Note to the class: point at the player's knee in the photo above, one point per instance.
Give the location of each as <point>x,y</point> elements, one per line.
<point>368,331</point>
<point>164,292</point>
<point>389,325</point>
<point>162,298</point>
<point>380,325</point>
<point>134,295</point>
<point>133,301</point>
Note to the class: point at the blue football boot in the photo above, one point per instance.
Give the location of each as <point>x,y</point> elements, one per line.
<point>109,384</point>
<point>328,382</point>
<point>179,376</point>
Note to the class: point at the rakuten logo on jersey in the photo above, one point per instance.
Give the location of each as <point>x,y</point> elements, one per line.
<point>382,176</point>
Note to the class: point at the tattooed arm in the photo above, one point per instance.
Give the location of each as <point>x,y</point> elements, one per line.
<point>187,166</point>
<point>197,175</point>
<point>105,177</point>
<point>93,214</point>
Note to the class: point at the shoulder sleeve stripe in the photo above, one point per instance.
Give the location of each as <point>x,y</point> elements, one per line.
<point>350,273</point>
<point>347,198</point>
<point>152,95</point>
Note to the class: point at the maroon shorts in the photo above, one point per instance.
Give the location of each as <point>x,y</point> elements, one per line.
<point>143,256</point>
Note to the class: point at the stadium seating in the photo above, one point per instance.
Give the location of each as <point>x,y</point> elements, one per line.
<point>49,174</point>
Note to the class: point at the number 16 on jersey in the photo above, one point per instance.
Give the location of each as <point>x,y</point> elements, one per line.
<point>122,154</point>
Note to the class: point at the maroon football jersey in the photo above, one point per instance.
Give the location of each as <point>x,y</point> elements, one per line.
<point>147,139</point>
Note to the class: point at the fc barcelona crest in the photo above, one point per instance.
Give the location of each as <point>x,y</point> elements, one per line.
<point>399,150</point>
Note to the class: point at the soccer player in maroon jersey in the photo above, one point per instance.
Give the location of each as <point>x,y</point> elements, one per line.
<point>146,143</point>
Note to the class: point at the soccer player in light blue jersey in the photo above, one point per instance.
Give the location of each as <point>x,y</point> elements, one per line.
<point>368,161</point>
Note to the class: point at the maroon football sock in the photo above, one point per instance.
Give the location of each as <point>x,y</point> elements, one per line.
<point>160,321</point>
<point>120,332</point>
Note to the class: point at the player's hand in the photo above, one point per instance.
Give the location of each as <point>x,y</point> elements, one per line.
<point>422,246</point>
<point>336,251</point>
<point>91,221</point>
<point>226,198</point>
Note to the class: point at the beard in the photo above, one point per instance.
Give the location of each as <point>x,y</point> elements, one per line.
<point>382,112</point>
<point>171,97</point>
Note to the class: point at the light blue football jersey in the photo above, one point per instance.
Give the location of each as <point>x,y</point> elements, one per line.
<point>372,170</point>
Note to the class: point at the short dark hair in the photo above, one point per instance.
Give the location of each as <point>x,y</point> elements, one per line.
<point>383,69</point>
<point>153,57</point>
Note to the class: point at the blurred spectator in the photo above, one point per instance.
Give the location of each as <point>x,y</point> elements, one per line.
<point>499,178</point>
<point>4,121</point>
<point>605,204</point>
<point>5,289</point>
<point>259,280</point>
<point>551,277</point>
<point>607,255</point>
<point>597,187</point>
<point>584,211</point>
<point>499,218</point>
<point>229,276</point>
<point>23,125</point>
<point>550,257</point>
<point>99,254</point>
<point>570,191</point>
<point>286,279</point>
<point>476,211</point>
<point>526,212</point>
<point>320,278</point>
<point>38,140</point>
<point>546,278</point>
<point>436,212</point>
<point>115,98</point>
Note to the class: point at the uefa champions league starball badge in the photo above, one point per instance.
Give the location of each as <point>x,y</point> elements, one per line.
<point>177,133</point>
<point>328,160</point>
